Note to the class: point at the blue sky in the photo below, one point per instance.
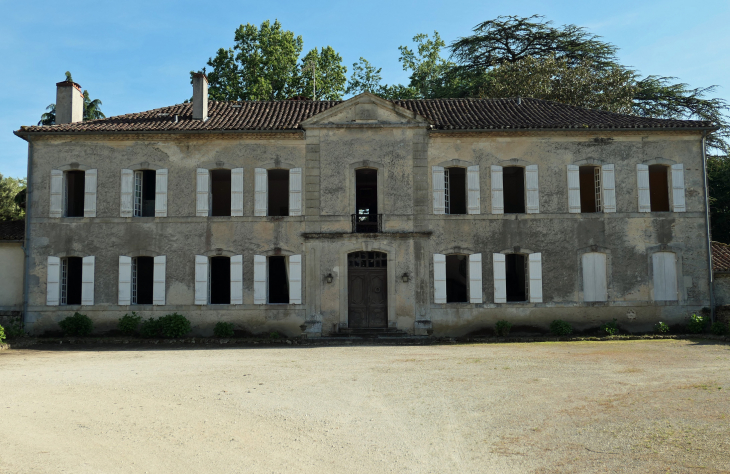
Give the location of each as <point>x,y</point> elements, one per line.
<point>137,55</point>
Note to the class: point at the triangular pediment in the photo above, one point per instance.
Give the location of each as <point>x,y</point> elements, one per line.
<point>363,110</point>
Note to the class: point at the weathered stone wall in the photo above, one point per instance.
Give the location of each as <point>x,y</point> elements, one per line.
<point>12,264</point>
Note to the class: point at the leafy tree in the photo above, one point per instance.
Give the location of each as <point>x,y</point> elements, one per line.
<point>718,177</point>
<point>327,75</point>
<point>92,109</point>
<point>49,117</point>
<point>9,189</point>
<point>366,78</point>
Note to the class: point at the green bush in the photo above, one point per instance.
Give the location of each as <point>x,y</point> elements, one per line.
<point>77,325</point>
<point>129,323</point>
<point>274,335</point>
<point>611,327</point>
<point>15,330</point>
<point>661,328</point>
<point>174,325</point>
<point>696,324</point>
<point>561,328</point>
<point>719,328</point>
<point>150,328</point>
<point>2,334</point>
<point>502,328</point>
<point>222,329</point>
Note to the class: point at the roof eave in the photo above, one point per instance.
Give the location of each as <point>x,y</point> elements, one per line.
<point>581,129</point>
<point>26,134</point>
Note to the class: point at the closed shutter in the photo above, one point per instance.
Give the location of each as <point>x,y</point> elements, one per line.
<point>56,209</point>
<point>531,187</point>
<point>161,193</point>
<point>237,279</point>
<point>678,188</point>
<point>237,192</point>
<point>53,281</point>
<point>642,181</point>
<point>158,280</point>
<point>535,270</point>
<point>125,281</point>
<point>474,205</point>
<point>295,192</point>
<point>475,278</point>
<point>608,182</point>
<point>87,281</point>
<point>295,279</point>
<point>497,190</point>
<point>126,205</point>
<point>90,193</point>
<point>573,188</point>
<point>259,279</point>
<point>665,276</point>
<point>201,279</point>
<point>594,277</point>
<point>439,190</point>
<point>499,261</point>
<point>203,185</point>
<point>439,278</point>
<point>260,194</point>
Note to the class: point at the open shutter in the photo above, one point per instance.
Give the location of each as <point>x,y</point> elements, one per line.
<point>475,278</point>
<point>678,188</point>
<point>126,205</point>
<point>90,193</point>
<point>295,192</point>
<point>439,190</point>
<point>125,281</point>
<point>201,279</point>
<point>202,203</point>
<point>295,279</point>
<point>535,270</point>
<point>158,280</point>
<point>56,209</point>
<point>237,279</point>
<point>533,195</point>
<point>259,279</point>
<point>237,192</point>
<point>53,281</point>
<point>497,190</point>
<point>665,276</point>
<point>439,278</point>
<point>474,194</point>
<point>87,281</point>
<point>642,181</point>
<point>608,182</point>
<point>161,193</point>
<point>260,194</point>
<point>573,189</point>
<point>499,261</point>
<point>594,277</point>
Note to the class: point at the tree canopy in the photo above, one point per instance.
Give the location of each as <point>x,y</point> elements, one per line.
<point>10,207</point>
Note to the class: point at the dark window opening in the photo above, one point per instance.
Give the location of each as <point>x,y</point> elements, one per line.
<point>142,279</point>
<point>516,277</point>
<point>456,279</point>
<point>145,182</point>
<point>75,182</point>
<point>278,280</point>
<point>514,189</point>
<point>278,191</point>
<point>659,188</point>
<point>455,195</point>
<point>590,188</point>
<point>366,200</point>
<point>71,280</point>
<point>220,280</point>
<point>220,190</point>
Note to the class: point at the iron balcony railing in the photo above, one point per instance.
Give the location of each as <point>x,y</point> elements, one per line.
<point>367,223</point>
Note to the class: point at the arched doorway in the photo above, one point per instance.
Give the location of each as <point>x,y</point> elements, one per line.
<point>367,290</point>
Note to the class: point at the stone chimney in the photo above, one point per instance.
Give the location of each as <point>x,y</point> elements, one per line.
<point>200,96</point>
<point>69,102</point>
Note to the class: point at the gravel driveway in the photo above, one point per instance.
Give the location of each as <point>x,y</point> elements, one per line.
<point>638,406</point>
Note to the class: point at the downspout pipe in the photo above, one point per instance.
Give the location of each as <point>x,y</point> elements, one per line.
<point>707,224</point>
<point>26,244</point>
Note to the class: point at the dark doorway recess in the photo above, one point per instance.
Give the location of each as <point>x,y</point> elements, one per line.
<point>455,190</point>
<point>220,280</point>
<point>278,280</point>
<point>72,279</point>
<point>278,190</point>
<point>75,182</point>
<point>659,188</point>
<point>366,200</point>
<point>514,189</point>
<point>143,273</point>
<point>367,285</point>
<point>516,277</point>
<point>220,187</point>
<point>456,279</point>
<point>589,188</point>
<point>149,184</point>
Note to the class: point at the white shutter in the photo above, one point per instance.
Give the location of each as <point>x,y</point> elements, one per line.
<point>237,279</point>
<point>535,270</point>
<point>474,194</point>
<point>475,278</point>
<point>295,279</point>
<point>533,195</point>
<point>573,188</point>
<point>439,278</point>
<point>161,193</point>
<point>125,281</point>
<point>642,181</point>
<point>499,261</point>
<point>295,192</point>
<point>201,279</point>
<point>90,193</point>
<point>158,280</point>
<point>497,190</point>
<point>53,281</point>
<point>203,185</point>
<point>126,206</point>
<point>594,277</point>
<point>259,279</point>
<point>237,192</point>
<point>665,276</point>
<point>608,183</point>
<point>678,188</point>
<point>260,194</point>
<point>56,209</point>
<point>87,281</point>
<point>439,190</point>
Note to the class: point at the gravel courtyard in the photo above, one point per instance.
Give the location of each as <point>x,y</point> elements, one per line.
<point>636,406</point>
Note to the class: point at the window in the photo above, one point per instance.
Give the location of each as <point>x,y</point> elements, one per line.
<point>74,196</point>
<point>456,278</point>
<point>278,192</point>
<point>665,276</point>
<point>278,280</point>
<point>366,201</point>
<point>71,280</point>
<point>594,277</point>
<point>144,193</point>
<point>142,280</point>
<point>220,280</point>
<point>455,190</point>
<point>516,277</point>
<point>590,189</point>
<point>659,188</point>
<point>220,192</point>
<point>514,189</point>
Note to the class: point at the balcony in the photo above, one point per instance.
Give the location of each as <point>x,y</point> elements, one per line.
<point>367,223</point>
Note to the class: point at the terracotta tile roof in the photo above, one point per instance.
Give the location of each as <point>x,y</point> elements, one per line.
<point>12,230</point>
<point>444,114</point>
<point>720,257</point>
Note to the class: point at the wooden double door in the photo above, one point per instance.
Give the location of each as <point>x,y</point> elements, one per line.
<point>367,290</point>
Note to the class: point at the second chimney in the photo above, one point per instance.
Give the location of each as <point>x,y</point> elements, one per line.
<point>69,102</point>
<point>200,96</point>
